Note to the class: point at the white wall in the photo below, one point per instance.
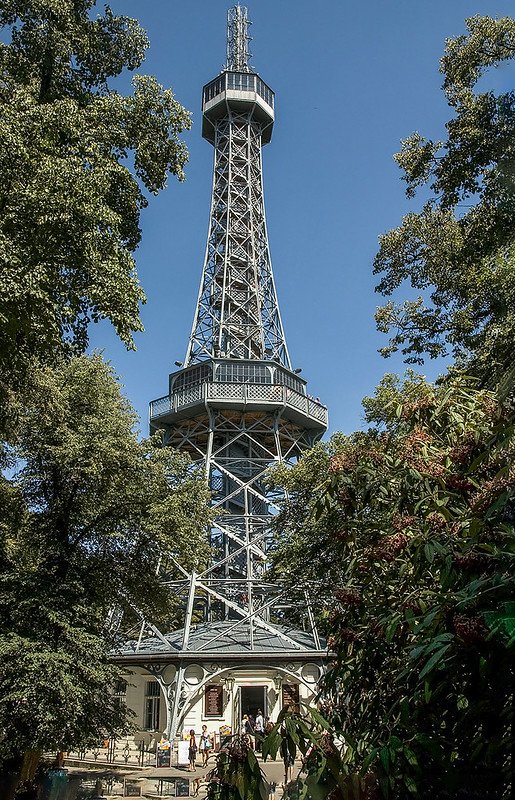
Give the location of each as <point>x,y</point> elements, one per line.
<point>196,680</point>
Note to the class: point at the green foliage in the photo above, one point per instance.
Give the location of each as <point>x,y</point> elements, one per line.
<point>237,775</point>
<point>69,201</point>
<point>87,511</point>
<point>413,521</point>
<point>404,534</point>
<point>324,773</point>
<point>458,251</point>
<point>302,553</point>
<point>86,508</point>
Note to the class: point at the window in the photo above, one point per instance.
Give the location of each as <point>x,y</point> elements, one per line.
<point>241,81</point>
<point>243,373</point>
<point>120,687</point>
<point>152,704</point>
<point>265,92</point>
<point>120,693</point>
<point>214,88</point>
<point>285,378</point>
<point>191,377</point>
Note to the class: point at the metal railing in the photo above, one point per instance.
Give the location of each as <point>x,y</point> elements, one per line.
<point>124,752</point>
<point>238,392</point>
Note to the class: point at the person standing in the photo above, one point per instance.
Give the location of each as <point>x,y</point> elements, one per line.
<point>192,751</point>
<point>288,761</point>
<point>247,730</point>
<point>259,727</point>
<point>205,745</point>
<point>287,756</point>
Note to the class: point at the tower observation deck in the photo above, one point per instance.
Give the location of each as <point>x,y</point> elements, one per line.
<point>237,407</point>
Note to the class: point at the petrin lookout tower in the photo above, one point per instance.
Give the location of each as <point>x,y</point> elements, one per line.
<point>237,406</point>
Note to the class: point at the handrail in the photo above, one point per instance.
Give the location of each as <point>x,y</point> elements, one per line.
<point>239,392</point>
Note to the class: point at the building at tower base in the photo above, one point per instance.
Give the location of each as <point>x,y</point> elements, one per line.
<point>220,684</point>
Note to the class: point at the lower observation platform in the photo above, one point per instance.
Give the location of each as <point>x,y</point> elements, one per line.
<point>259,386</point>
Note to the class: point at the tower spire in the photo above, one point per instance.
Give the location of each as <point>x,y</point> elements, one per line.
<point>238,39</point>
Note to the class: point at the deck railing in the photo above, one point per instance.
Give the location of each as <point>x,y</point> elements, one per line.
<point>239,393</point>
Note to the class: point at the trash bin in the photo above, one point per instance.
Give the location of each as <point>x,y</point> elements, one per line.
<point>55,785</point>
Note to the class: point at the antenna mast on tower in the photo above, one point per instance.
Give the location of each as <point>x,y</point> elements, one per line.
<point>238,39</point>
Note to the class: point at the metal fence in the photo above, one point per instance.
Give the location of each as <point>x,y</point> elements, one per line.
<point>239,392</point>
<point>119,752</point>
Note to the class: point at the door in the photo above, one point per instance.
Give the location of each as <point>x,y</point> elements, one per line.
<point>252,700</point>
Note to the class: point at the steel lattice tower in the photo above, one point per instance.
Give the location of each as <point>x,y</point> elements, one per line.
<point>236,405</point>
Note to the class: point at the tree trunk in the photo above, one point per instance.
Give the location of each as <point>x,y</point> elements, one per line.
<point>17,769</point>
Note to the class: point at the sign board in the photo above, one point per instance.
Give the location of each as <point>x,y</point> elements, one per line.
<point>182,787</point>
<point>167,787</point>
<point>183,754</point>
<point>214,701</point>
<point>132,790</point>
<point>163,756</point>
<point>225,734</point>
<point>291,696</point>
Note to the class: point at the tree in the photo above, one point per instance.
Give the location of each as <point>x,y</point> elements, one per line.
<point>404,533</point>
<point>87,510</point>
<point>413,521</point>
<point>459,250</point>
<point>238,776</point>
<point>70,201</point>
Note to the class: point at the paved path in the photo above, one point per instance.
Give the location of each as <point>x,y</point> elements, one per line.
<point>149,779</point>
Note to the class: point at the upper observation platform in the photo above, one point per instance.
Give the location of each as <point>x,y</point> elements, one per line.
<point>237,92</point>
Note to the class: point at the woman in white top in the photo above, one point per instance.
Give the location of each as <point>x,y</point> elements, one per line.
<point>205,745</point>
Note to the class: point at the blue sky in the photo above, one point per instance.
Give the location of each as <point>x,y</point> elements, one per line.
<point>351,79</point>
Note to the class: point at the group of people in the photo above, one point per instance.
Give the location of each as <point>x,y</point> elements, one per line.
<point>254,728</point>
<point>251,727</point>
<point>205,744</point>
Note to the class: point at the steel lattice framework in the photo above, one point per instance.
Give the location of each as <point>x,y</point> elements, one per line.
<point>236,407</point>
<point>237,312</point>
<point>238,449</point>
